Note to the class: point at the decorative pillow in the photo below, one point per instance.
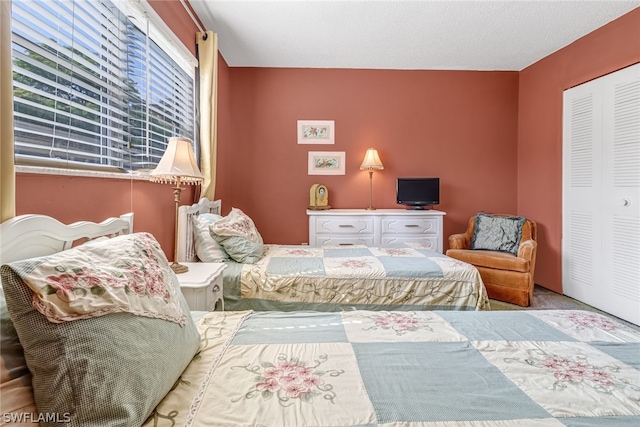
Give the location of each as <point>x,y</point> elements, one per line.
<point>106,370</point>
<point>238,236</point>
<point>497,233</point>
<point>130,274</point>
<point>207,248</point>
<point>16,394</point>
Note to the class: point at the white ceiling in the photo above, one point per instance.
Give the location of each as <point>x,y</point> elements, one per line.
<point>409,34</point>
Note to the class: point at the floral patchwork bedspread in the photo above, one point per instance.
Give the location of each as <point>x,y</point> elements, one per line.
<point>409,369</point>
<point>330,278</point>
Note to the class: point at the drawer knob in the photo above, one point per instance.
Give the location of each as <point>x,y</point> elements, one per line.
<point>346,244</point>
<point>411,225</point>
<point>345,225</point>
<point>216,288</point>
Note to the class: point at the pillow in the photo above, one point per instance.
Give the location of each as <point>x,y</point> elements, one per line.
<point>106,370</point>
<point>207,248</point>
<point>497,233</point>
<point>238,236</point>
<point>131,275</point>
<point>16,394</point>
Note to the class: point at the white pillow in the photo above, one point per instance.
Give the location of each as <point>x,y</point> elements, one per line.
<point>207,248</point>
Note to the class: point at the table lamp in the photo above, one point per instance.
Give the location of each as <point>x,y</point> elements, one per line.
<point>177,166</point>
<point>370,163</point>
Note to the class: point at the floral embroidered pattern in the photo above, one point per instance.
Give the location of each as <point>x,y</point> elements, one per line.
<point>140,273</point>
<point>298,252</point>
<point>128,273</point>
<point>591,320</point>
<point>400,323</point>
<point>290,380</point>
<point>237,223</point>
<point>577,371</point>
<point>354,263</point>
<point>395,251</point>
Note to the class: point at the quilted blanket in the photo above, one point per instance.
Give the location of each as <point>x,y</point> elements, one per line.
<point>409,369</point>
<point>332,278</point>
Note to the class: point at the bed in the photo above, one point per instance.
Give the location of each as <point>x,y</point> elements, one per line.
<point>335,278</point>
<point>349,368</point>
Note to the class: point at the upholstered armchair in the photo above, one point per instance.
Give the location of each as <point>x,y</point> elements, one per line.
<point>508,276</point>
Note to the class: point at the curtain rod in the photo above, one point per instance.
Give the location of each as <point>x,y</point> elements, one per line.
<point>193,18</point>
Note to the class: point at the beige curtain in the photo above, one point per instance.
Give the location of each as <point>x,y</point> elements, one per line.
<point>208,65</point>
<point>7,170</point>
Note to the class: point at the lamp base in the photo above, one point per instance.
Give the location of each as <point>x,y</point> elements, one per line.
<point>179,268</point>
<point>370,208</point>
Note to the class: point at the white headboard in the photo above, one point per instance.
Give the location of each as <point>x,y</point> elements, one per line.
<point>186,247</point>
<point>29,236</point>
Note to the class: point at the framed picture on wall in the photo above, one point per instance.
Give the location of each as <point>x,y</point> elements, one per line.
<point>326,162</point>
<point>316,132</point>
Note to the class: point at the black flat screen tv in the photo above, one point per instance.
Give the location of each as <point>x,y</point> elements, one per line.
<point>418,193</point>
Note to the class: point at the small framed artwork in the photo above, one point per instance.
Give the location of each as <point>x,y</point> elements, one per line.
<point>316,132</point>
<point>326,162</point>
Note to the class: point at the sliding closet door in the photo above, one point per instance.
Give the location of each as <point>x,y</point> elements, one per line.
<point>582,192</point>
<point>621,198</point>
<point>601,193</point>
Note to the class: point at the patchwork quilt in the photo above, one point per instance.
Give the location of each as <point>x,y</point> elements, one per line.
<point>332,278</point>
<point>409,369</point>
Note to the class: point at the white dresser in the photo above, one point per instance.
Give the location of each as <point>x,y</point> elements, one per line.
<point>378,227</point>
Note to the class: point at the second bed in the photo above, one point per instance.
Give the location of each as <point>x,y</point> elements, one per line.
<point>337,278</point>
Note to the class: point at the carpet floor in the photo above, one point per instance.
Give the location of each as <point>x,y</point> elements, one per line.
<point>545,299</point>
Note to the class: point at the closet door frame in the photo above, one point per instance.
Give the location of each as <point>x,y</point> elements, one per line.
<point>601,193</point>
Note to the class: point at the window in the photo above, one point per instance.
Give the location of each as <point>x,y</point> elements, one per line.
<point>93,88</point>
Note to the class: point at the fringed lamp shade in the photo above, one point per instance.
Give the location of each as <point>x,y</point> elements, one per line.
<point>371,160</point>
<point>178,164</point>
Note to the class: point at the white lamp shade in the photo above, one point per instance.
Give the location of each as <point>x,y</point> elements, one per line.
<point>371,160</point>
<point>178,161</point>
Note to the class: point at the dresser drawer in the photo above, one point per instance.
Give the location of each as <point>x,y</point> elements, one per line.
<point>380,227</point>
<point>326,240</point>
<point>408,225</point>
<point>344,225</point>
<point>430,241</point>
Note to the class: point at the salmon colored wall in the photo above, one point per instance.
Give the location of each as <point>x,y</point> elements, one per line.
<point>72,198</point>
<point>605,50</point>
<point>225,162</point>
<point>177,18</point>
<point>460,126</point>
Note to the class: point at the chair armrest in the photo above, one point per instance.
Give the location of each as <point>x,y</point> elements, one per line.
<point>459,241</point>
<point>527,249</point>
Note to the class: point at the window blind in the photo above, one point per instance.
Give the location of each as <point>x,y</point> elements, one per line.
<point>92,89</point>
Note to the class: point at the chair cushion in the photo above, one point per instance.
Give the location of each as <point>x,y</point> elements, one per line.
<point>491,259</point>
<point>497,233</point>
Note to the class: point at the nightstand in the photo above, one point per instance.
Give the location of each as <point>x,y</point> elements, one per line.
<point>202,285</point>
